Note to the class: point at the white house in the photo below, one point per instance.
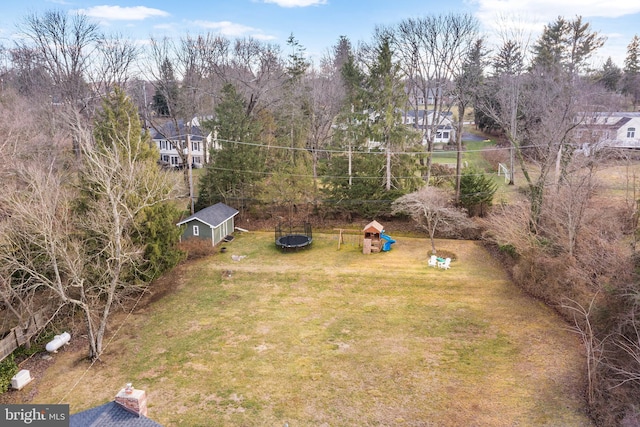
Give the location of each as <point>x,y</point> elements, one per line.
<point>167,138</point>
<point>617,129</point>
<point>426,119</point>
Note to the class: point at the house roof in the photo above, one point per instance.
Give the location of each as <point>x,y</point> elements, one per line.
<point>621,121</point>
<point>110,415</point>
<point>213,216</point>
<point>168,131</point>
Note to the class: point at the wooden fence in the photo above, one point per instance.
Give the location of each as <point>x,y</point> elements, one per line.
<point>19,336</point>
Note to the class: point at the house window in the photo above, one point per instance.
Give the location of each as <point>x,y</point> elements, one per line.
<point>174,160</point>
<point>196,230</point>
<point>420,100</point>
<point>631,132</point>
<point>163,145</point>
<point>197,159</point>
<point>195,146</point>
<point>165,158</point>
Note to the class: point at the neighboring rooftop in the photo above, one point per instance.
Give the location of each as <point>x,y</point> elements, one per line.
<point>110,415</point>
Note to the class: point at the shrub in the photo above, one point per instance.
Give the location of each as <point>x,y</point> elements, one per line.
<point>442,175</point>
<point>476,191</point>
<point>197,248</point>
<point>8,368</point>
<point>509,249</point>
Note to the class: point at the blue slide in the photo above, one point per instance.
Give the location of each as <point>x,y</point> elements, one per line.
<point>386,246</point>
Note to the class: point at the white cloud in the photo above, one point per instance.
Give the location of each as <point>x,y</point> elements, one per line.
<point>232,29</point>
<point>296,3</point>
<point>547,10</point>
<point>524,20</point>
<point>118,13</point>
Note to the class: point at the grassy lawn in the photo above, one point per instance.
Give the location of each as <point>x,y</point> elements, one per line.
<point>328,337</point>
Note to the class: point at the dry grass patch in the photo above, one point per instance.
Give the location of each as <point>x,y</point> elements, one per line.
<point>340,338</point>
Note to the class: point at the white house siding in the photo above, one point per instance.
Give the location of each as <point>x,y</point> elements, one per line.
<point>616,129</point>
<point>167,139</point>
<point>628,135</point>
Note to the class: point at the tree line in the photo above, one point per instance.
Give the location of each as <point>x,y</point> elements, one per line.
<point>88,217</point>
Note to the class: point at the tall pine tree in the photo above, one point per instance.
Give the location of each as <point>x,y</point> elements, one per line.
<point>631,78</point>
<point>237,165</point>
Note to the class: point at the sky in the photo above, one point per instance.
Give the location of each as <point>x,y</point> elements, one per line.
<point>318,24</point>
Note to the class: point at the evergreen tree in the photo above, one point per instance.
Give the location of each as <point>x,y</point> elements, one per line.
<point>476,191</point>
<point>118,130</point>
<point>165,98</point>
<point>352,120</point>
<point>386,98</point>
<point>631,78</point>
<point>566,45</point>
<point>364,192</point>
<point>509,59</point>
<point>297,62</point>
<point>117,122</point>
<point>610,75</point>
<point>385,92</point>
<point>238,164</point>
<point>549,51</point>
<point>632,60</point>
<point>342,52</point>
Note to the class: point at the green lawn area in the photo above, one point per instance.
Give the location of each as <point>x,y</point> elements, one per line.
<point>337,338</point>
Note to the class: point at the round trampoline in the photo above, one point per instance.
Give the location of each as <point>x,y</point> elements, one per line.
<point>293,241</point>
<point>293,238</point>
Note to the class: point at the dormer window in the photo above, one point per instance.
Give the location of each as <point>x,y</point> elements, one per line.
<point>631,132</point>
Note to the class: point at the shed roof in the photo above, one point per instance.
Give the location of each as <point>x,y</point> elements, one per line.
<point>213,216</point>
<point>110,415</point>
<point>374,226</point>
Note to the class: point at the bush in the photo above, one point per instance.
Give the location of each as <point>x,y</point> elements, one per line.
<point>509,249</point>
<point>197,248</point>
<point>442,175</point>
<point>8,368</point>
<point>476,191</point>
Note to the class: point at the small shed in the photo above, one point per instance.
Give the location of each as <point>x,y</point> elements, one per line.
<point>372,240</point>
<point>214,224</point>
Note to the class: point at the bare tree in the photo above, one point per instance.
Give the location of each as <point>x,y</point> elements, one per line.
<point>571,200</point>
<point>82,250</point>
<point>326,96</point>
<point>64,47</point>
<point>431,208</point>
<point>433,50</point>
<point>594,346</point>
<point>114,61</point>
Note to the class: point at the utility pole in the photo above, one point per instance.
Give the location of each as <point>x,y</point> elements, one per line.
<point>388,168</point>
<point>189,171</point>
<point>350,176</point>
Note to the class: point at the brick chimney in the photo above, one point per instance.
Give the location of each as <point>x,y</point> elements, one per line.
<point>134,401</point>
